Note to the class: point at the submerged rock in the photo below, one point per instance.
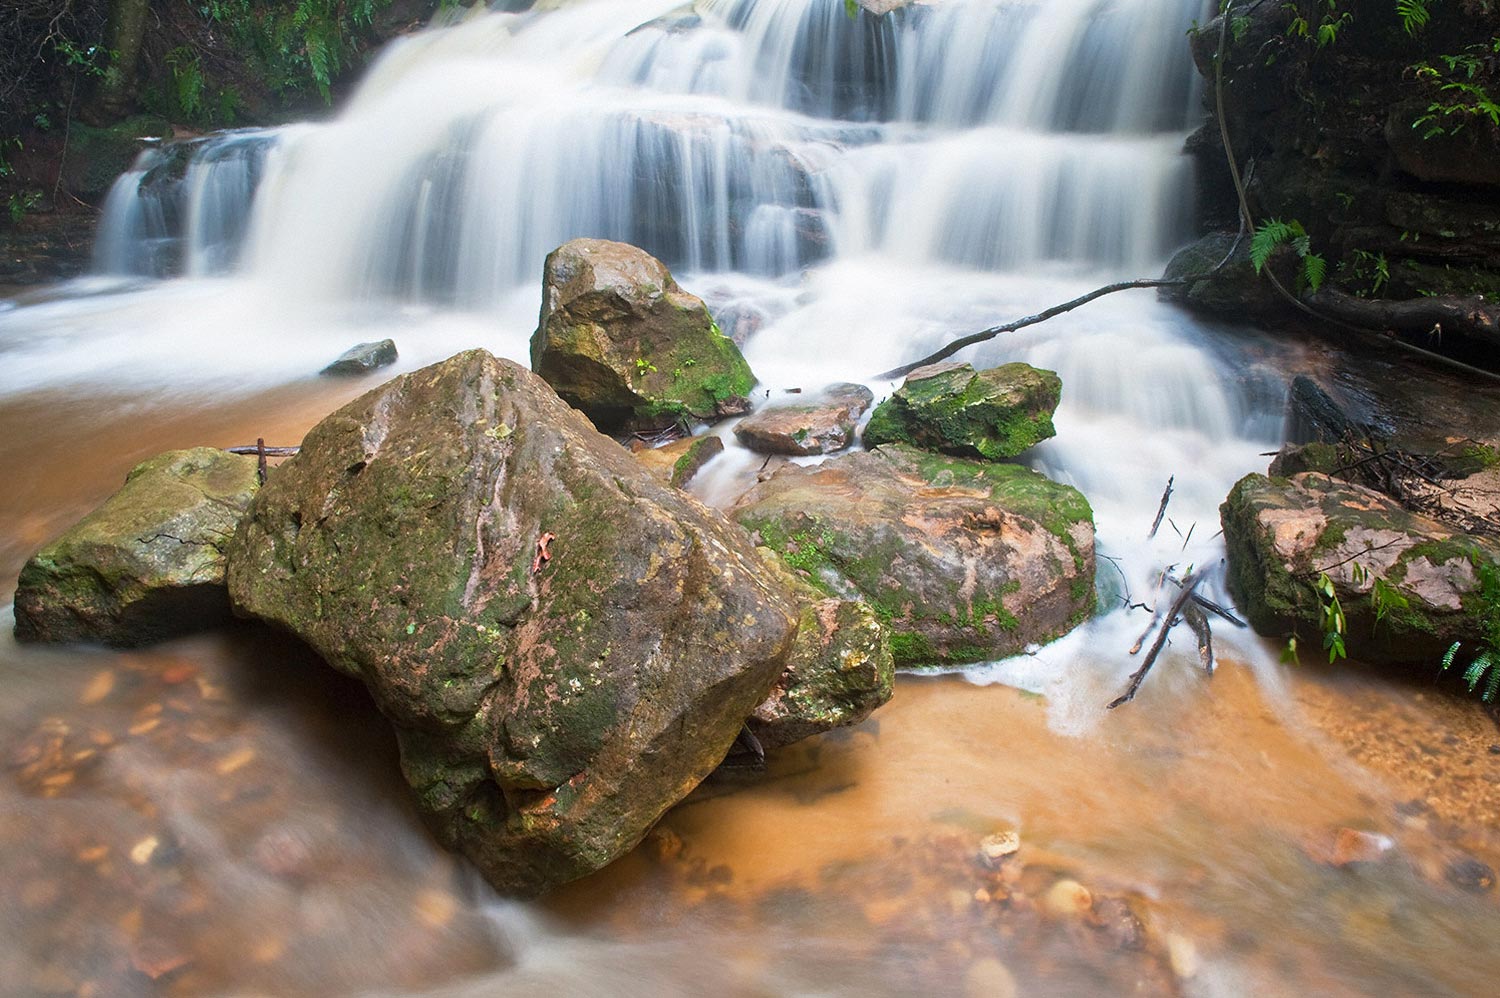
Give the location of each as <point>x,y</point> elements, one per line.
<point>146,565</point>
<point>962,561</point>
<point>1283,533</point>
<point>363,358</point>
<point>565,646</point>
<point>621,341</point>
<point>993,414</point>
<point>839,671</point>
<point>818,425</point>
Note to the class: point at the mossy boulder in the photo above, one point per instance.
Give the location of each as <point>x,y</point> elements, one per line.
<point>564,645</point>
<point>820,424</point>
<point>962,560</point>
<point>97,156</point>
<point>1283,533</point>
<point>952,408</point>
<point>1235,289</point>
<point>839,671</point>
<point>619,340</point>
<point>146,565</point>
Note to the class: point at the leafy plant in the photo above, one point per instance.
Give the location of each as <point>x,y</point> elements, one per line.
<point>18,204</point>
<point>1373,268</point>
<point>1414,15</point>
<point>1485,666</point>
<point>1326,31</point>
<point>1274,233</point>
<point>1334,624</point>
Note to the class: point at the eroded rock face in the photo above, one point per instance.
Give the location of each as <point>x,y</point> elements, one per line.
<point>952,408</point>
<point>963,561</point>
<point>1283,533</point>
<point>839,671</point>
<point>564,645</point>
<point>821,424</point>
<point>621,341</point>
<point>146,565</point>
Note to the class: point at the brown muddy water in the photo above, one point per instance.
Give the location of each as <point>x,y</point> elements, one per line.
<point>224,816</point>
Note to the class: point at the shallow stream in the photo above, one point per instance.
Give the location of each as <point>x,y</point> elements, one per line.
<point>223,816</point>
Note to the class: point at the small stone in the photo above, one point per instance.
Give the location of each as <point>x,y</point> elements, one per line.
<point>819,425</point>
<point>1182,954</point>
<point>436,908</point>
<point>987,977</point>
<point>1470,874</point>
<point>142,851</point>
<point>1113,917</point>
<point>664,845</point>
<point>98,688</point>
<point>1353,846</point>
<point>1068,899</point>
<point>994,848</point>
<point>363,358</point>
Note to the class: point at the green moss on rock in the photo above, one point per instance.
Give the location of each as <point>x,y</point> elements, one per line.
<point>993,414</point>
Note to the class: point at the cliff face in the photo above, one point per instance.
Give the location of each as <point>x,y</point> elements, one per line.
<point>1384,144</point>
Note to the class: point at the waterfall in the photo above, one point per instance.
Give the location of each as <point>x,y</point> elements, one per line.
<point>855,190</point>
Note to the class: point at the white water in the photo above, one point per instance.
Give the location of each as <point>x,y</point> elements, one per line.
<point>864,189</point>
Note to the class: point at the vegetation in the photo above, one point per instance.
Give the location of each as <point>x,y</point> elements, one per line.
<point>1485,665</point>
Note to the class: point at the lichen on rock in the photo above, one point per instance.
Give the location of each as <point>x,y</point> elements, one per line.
<point>146,565</point>
<point>993,414</point>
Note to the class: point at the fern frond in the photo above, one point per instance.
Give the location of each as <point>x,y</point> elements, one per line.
<point>1414,15</point>
<point>1314,267</point>
<point>1271,234</point>
<point>1448,656</point>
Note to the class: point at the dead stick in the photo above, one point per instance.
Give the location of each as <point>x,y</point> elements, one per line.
<point>1198,621</point>
<point>1161,510</point>
<point>260,456</point>
<point>1188,585</point>
<point>256,449</point>
<point>1155,615</point>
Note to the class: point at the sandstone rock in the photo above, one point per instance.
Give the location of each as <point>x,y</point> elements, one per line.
<point>621,341</point>
<point>679,461</point>
<point>1068,899</point>
<point>819,425</point>
<point>1282,533</point>
<point>994,848</point>
<point>146,565</point>
<point>363,358</point>
<point>952,408</point>
<point>839,671</point>
<point>548,709</point>
<point>1236,290</point>
<point>962,560</point>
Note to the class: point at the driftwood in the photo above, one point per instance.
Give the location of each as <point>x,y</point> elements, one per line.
<point>1471,317</point>
<point>1173,615</point>
<point>1197,620</point>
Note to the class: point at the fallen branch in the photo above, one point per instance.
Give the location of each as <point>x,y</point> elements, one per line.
<point>1214,608</point>
<point>1198,621</point>
<point>1188,585</point>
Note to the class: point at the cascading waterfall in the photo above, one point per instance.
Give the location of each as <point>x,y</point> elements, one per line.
<point>855,190</point>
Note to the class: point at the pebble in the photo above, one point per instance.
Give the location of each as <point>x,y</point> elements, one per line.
<point>989,978</point>
<point>142,851</point>
<point>994,848</point>
<point>1470,874</point>
<point>1067,899</point>
<point>1182,953</point>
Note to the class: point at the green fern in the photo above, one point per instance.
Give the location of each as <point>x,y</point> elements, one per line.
<point>1274,233</point>
<point>1414,15</point>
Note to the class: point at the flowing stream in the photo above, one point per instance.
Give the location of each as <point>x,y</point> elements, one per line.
<point>220,816</point>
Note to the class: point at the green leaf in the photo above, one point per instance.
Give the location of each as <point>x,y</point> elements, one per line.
<point>1271,234</point>
<point>1313,269</point>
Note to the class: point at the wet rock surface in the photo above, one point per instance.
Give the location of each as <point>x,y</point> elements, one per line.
<point>1283,534</point>
<point>678,462</point>
<point>993,414</point>
<point>363,358</point>
<point>821,424</point>
<point>839,671</point>
<point>564,646</point>
<point>146,565</point>
<point>962,560</point>
<point>619,340</point>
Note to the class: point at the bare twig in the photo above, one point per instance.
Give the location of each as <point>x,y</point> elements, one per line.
<point>1161,510</point>
<point>1188,585</point>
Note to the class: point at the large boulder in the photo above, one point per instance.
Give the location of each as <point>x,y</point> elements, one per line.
<point>146,565</point>
<point>1284,533</point>
<point>564,645</point>
<point>992,414</point>
<point>840,668</point>
<point>962,560</point>
<point>621,341</point>
<point>821,424</point>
